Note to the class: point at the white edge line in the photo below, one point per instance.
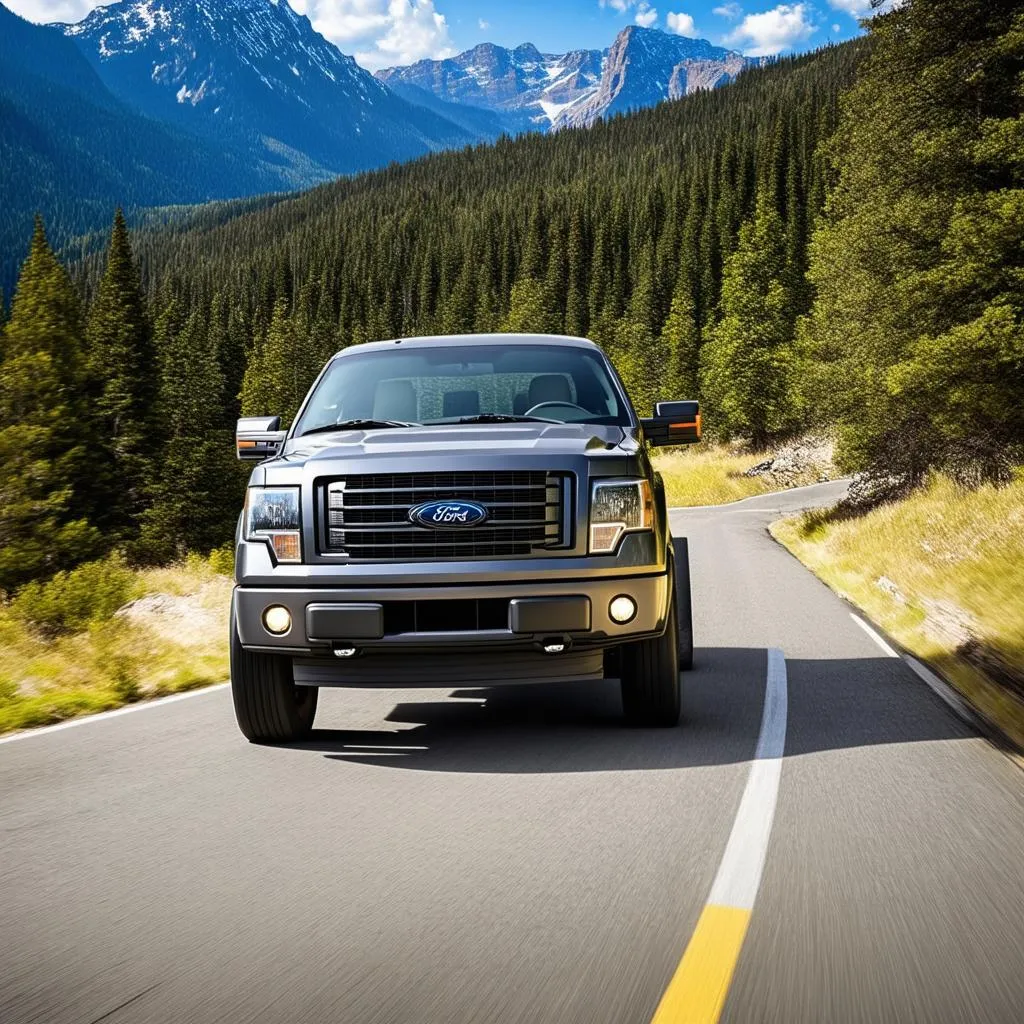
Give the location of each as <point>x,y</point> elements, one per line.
<point>739,873</point>
<point>146,705</point>
<point>942,689</point>
<point>874,636</point>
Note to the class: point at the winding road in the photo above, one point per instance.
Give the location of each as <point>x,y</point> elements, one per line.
<point>822,841</point>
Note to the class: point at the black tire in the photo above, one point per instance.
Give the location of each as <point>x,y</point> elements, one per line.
<point>650,678</point>
<point>269,707</point>
<point>684,604</point>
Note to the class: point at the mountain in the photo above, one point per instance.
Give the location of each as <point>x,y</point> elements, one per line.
<point>254,76</point>
<point>644,66</point>
<point>527,88</point>
<point>530,89</point>
<point>73,151</point>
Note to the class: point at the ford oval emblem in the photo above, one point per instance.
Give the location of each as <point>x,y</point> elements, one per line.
<point>447,515</point>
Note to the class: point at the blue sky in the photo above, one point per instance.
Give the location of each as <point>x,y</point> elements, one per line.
<point>385,32</point>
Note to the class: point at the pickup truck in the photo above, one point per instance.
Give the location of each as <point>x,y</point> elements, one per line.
<point>451,511</point>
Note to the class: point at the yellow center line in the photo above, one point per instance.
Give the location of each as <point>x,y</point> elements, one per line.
<point>698,989</point>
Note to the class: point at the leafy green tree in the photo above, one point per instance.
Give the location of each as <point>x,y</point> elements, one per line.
<point>917,323</point>
<point>121,364</point>
<point>747,365</point>
<point>44,427</point>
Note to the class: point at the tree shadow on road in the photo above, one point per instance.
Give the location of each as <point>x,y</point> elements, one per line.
<point>833,704</point>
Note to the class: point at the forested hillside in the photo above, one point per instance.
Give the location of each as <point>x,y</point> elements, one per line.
<point>832,240</point>
<point>70,148</point>
<point>621,232</point>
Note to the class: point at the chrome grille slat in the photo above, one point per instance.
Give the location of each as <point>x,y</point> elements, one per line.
<point>412,527</point>
<point>366,515</point>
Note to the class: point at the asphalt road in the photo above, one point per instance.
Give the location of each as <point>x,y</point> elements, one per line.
<point>517,856</point>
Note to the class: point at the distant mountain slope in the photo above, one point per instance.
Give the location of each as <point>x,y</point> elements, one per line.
<point>255,75</point>
<point>72,151</point>
<point>527,88</point>
<point>645,66</point>
<point>530,89</point>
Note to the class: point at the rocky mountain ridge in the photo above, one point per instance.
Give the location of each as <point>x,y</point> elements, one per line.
<point>544,91</point>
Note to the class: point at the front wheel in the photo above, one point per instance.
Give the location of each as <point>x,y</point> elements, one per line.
<point>684,603</point>
<point>269,707</point>
<point>650,677</point>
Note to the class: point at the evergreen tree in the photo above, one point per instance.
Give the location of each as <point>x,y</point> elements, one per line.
<point>280,370</point>
<point>917,323</point>
<point>122,371</point>
<point>196,485</point>
<point>747,365</point>
<point>530,309</point>
<point>44,432</point>
<point>680,341</point>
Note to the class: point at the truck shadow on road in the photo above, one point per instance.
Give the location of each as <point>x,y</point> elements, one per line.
<point>833,704</point>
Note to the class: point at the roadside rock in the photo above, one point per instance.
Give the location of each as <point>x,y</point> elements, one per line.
<point>867,490</point>
<point>805,460</point>
<point>886,584</point>
<point>190,620</point>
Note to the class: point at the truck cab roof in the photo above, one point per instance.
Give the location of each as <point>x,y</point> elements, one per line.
<point>454,340</point>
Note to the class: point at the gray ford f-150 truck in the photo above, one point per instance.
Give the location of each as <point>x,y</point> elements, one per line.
<point>478,509</point>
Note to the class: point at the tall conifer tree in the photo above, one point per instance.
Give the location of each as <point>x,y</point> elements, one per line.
<point>44,426</point>
<point>123,372</point>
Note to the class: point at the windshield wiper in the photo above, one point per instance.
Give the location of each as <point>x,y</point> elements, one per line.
<point>358,425</point>
<point>500,417</point>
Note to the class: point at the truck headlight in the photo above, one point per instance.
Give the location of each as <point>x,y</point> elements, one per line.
<point>618,507</point>
<point>272,515</point>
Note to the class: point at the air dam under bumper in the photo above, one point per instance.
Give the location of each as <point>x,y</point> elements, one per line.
<point>435,636</point>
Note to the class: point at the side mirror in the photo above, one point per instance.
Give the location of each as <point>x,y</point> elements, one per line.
<point>673,423</point>
<point>258,438</point>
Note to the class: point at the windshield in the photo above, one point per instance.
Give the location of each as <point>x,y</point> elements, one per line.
<point>461,384</point>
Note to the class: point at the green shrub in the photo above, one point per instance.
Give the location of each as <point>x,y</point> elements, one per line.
<point>222,560</point>
<point>73,600</point>
<point>8,691</point>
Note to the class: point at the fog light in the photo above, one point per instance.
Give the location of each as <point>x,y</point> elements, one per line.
<point>277,620</point>
<point>622,609</point>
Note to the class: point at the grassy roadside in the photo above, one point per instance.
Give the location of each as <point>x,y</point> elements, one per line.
<point>715,475</point>
<point>943,573</point>
<point>89,647</point>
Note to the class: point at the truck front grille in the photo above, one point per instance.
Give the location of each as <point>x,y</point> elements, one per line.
<point>367,516</point>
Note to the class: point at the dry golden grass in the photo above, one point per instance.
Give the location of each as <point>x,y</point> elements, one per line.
<point>713,475</point>
<point>173,639</point>
<point>936,570</point>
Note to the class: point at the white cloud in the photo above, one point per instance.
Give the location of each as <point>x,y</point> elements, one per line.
<point>484,25</point>
<point>857,8</point>
<point>381,32</point>
<point>681,24</point>
<point>864,8</point>
<point>732,11</point>
<point>646,15</point>
<point>51,10</point>
<point>618,5</point>
<point>836,28</point>
<point>771,32</point>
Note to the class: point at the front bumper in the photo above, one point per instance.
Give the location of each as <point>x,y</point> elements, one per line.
<point>508,650</point>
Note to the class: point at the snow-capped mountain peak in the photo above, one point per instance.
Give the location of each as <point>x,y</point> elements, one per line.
<point>256,69</point>
<point>641,67</point>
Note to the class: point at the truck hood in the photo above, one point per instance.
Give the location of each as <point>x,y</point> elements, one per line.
<point>491,438</point>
